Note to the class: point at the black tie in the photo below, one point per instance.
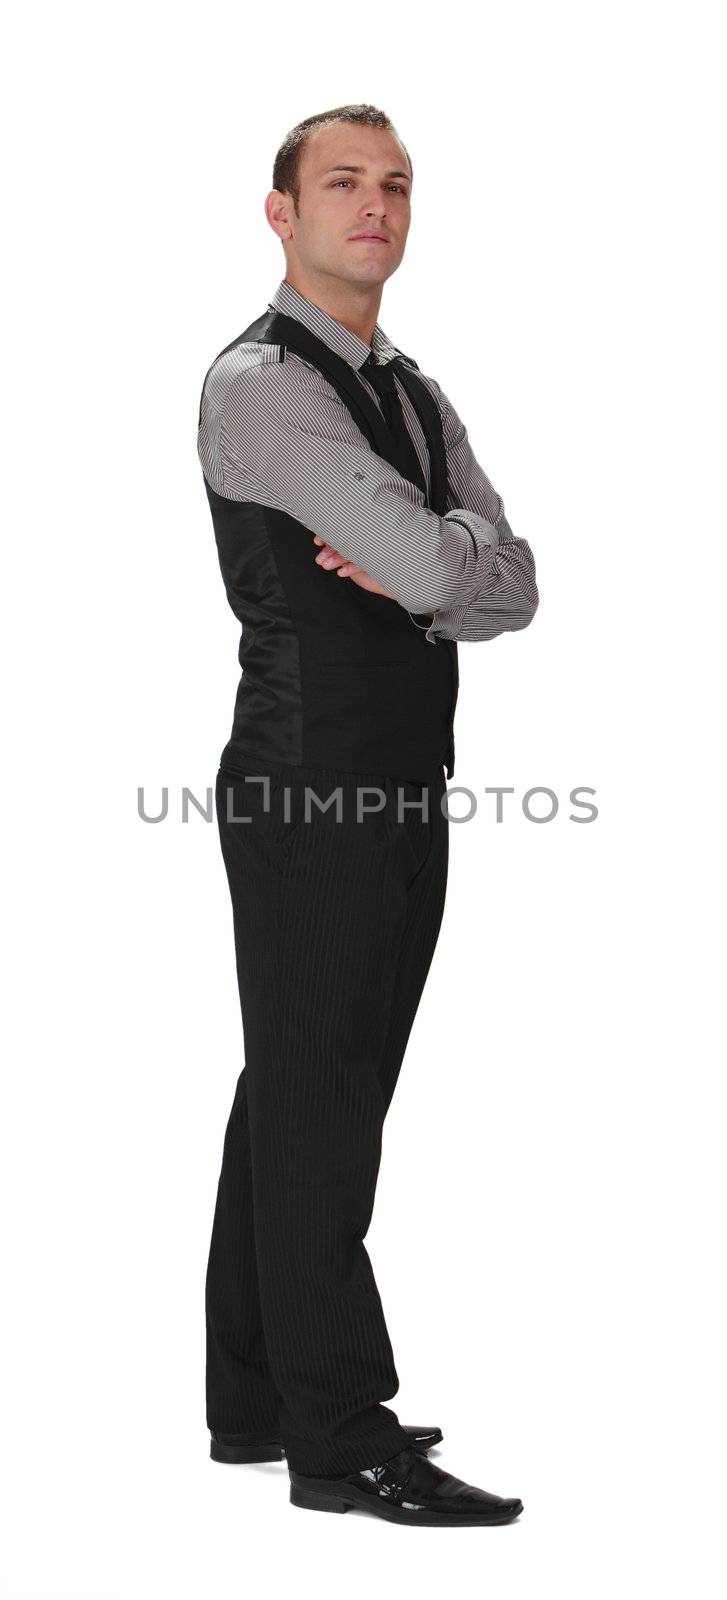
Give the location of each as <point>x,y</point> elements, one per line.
<point>402,455</point>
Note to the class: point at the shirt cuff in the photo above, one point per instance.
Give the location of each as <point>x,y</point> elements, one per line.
<point>448,620</point>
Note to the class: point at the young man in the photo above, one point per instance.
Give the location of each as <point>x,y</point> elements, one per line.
<point>359,539</point>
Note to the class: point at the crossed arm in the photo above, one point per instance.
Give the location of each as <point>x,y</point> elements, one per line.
<point>302,453</point>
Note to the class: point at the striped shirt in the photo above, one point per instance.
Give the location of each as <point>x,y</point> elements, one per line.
<point>277,432</point>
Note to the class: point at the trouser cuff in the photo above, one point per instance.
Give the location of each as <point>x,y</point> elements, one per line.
<point>333,1457</point>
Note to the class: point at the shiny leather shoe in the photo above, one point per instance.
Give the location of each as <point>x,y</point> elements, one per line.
<point>408,1488</point>
<point>231,1448</point>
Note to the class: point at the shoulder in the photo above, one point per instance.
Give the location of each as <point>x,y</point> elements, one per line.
<point>424,377</point>
<point>451,424</point>
<point>248,372</point>
<point>238,365</point>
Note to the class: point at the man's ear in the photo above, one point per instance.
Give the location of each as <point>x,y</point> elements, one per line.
<point>276,211</point>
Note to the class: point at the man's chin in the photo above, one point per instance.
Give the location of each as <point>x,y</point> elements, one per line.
<point>374,273</point>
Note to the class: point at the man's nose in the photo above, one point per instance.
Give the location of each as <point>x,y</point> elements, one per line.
<point>375,203</point>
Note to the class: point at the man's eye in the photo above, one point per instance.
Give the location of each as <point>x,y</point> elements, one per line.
<point>389,185</point>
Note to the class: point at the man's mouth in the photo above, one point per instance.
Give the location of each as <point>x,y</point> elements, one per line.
<point>369,238</point>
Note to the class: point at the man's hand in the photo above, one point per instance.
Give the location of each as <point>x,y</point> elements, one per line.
<point>333,561</point>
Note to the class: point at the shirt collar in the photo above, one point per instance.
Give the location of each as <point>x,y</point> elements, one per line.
<point>346,344</point>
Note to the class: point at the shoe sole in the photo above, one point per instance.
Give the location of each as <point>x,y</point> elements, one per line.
<point>323,1500</point>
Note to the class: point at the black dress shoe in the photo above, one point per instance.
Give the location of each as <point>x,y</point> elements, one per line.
<point>232,1448</point>
<point>408,1488</point>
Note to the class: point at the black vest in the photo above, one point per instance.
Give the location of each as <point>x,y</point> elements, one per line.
<point>332,675</point>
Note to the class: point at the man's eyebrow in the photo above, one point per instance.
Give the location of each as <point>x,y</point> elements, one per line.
<point>363,169</point>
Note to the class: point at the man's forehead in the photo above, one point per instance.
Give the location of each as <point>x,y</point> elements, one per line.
<point>333,147</point>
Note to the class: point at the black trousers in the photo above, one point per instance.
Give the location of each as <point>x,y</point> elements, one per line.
<point>335,924</point>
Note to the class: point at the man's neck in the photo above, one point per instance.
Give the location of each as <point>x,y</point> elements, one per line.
<point>356,308</point>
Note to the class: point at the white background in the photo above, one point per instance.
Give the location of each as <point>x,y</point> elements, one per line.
<point>548,1236</point>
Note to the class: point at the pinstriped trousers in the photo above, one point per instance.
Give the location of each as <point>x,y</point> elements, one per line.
<point>335,924</point>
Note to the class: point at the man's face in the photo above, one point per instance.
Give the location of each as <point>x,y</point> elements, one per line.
<point>336,205</point>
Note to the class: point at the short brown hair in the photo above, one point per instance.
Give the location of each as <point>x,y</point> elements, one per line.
<point>286,170</point>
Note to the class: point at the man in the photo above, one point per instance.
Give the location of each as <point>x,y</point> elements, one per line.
<point>358,539</point>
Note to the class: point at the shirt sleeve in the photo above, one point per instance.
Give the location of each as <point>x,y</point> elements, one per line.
<point>507,598</point>
<point>279,434</point>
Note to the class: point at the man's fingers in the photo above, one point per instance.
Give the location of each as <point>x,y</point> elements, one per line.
<point>328,557</point>
<point>332,559</point>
